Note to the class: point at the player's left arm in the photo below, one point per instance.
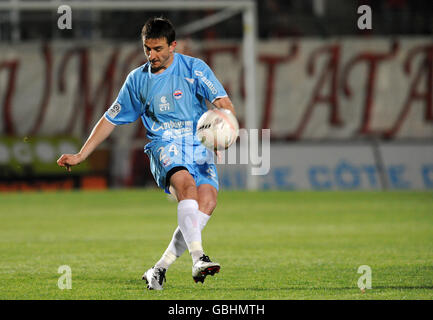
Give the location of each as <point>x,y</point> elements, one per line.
<point>225,103</point>
<point>210,88</point>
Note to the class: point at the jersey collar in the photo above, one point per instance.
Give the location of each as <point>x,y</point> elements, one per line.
<point>147,68</point>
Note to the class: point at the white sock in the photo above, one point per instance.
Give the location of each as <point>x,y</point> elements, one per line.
<point>204,218</point>
<point>178,245</point>
<point>188,220</point>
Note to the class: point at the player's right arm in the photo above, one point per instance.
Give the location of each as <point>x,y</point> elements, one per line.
<point>126,109</point>
<point>99,133</point>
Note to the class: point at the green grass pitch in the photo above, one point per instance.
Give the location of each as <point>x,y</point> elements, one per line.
<point>271,245</point>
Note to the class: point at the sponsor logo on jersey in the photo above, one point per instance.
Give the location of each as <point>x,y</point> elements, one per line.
<point>164,105</point>
<point>177,94</point>
<point>173,128</point>
<point>114,110</point>
<point>206,81</point>
<point>210,85</point>
<point>156,128</point>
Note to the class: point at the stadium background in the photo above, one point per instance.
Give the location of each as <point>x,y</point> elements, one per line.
<point>348,109</point>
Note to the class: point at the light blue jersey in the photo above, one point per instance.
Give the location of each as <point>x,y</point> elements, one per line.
<point>170,104</point>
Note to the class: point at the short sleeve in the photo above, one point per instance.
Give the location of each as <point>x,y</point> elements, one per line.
<point>208,85</point>
<point>127,107</point>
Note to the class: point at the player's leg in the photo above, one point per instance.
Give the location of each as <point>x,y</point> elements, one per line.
<point>207,195</point>
<point>207,199</point>
<point>162,157</point>
<point>206,178</point>
<point>162,173</point>
<point>187,211</point>
<point>183,187</point>
<point>189,224</point>
<point>177,244</point>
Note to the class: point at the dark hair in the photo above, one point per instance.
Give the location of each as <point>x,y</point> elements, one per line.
<point>157,28</point>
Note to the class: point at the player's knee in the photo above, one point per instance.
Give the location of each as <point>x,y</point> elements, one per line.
<point>207,205</point>
<point>187,191</point>
<point>184,185</point>
<point>191,191</point>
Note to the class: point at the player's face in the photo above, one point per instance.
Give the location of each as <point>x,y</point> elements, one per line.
<point>159,53</point>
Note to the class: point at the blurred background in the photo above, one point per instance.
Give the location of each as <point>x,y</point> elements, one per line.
<point>348,109</point>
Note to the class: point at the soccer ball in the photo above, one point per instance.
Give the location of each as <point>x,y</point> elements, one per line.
<point>217,129</point>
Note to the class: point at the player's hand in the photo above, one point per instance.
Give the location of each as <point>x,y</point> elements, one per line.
<point>69,160</point>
